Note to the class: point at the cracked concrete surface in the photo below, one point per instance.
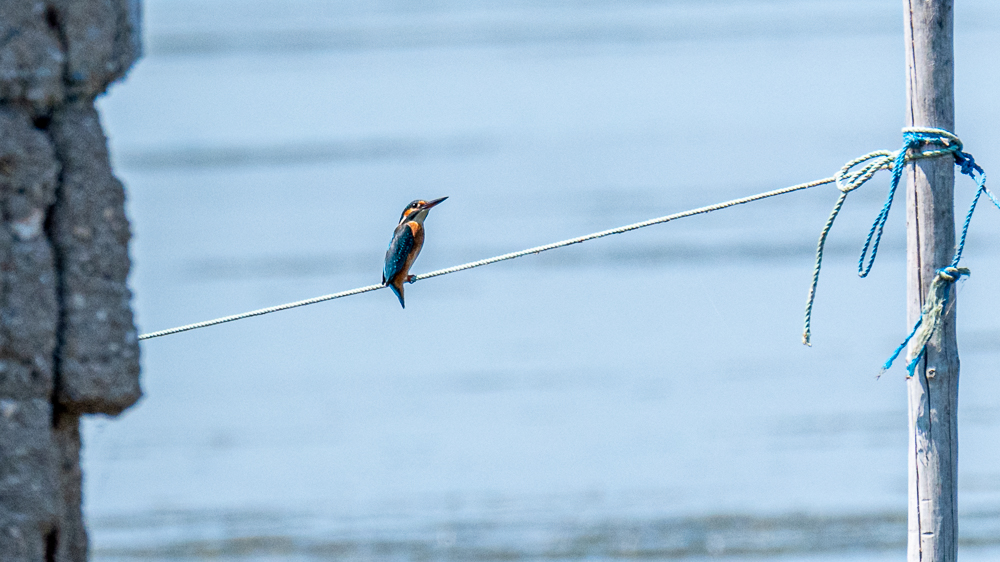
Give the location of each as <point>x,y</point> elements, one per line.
<point>67,340</point>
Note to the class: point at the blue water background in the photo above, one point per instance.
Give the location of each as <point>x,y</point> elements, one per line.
<point>652,380</point>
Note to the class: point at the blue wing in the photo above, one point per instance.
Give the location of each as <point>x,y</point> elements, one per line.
<point>399,249</point>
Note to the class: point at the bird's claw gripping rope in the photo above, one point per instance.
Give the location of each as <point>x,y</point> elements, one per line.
<point>847,180</point>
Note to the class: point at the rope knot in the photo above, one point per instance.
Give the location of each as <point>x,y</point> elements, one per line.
<point>952,273</point>
<point>915,143</point>
<point>931,135</point>
<point>847,181</point>
<point>967,164</point>
<point>936,303</point>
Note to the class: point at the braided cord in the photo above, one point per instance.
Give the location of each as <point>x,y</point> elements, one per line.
<point>936,305</point>
<point>504,257</point>
<point>260,312</point>
<point>939,293</point>
<point>848,180</point>
<point>627,228</point>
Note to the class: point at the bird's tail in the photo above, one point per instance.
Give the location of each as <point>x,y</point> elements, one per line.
<point>399,293</point>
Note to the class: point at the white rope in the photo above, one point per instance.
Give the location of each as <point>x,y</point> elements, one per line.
<point>504,257</point>
<point>260,312</point>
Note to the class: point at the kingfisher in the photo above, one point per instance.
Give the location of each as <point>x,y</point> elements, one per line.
<point>407,240</point>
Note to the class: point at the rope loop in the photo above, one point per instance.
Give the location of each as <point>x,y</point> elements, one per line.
<point>915,142</point>
<point>914,138</point>
<point>848,181</point>
<point>933,135</point>
<point>938,294</point>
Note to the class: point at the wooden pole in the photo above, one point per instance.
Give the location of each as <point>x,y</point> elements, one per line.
<point>930,231</point>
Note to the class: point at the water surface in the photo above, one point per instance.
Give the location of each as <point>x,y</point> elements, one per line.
<point>639,396</point>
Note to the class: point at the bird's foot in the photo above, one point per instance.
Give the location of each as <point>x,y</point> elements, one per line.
<point>411,278</point>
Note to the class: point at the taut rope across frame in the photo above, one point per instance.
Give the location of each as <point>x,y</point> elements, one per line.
<point>847,179</point>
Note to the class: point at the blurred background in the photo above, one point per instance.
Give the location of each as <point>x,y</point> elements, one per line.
<point>640,396</point>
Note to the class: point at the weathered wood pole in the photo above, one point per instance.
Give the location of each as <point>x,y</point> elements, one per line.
<point>930,232</point>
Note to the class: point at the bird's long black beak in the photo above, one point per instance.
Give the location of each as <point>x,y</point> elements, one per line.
<point>430,204</point>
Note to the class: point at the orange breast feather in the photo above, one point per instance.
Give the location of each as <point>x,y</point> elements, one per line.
<point>418,243</point>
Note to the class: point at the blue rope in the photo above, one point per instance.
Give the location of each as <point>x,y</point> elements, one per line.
<point>912,139</point>
<point>940,291</point>
<point>883,215</point>
<point>902,346</point>
<point>848,179</point>
<point>970,168</point>
<point>933,310</point>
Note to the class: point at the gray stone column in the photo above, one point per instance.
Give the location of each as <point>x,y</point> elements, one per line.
<point>68,346</point>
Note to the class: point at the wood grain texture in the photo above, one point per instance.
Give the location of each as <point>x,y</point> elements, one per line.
<point>930,225</point>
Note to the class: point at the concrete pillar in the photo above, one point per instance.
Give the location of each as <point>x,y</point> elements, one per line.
<point>67,342</point>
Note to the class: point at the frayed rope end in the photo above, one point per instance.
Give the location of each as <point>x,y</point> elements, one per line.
<point>930,317</point>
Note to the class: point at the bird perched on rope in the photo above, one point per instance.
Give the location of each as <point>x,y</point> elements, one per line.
<point>407,240</point>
